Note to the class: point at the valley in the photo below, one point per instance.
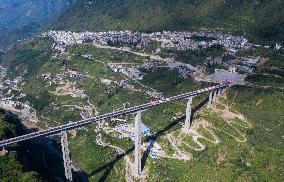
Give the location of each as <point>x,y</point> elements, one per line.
<point>67,61</point>
<point>81,75</point>
<point>23,19</point>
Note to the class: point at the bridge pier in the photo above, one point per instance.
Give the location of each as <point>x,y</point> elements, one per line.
<point>188,121</point>
<point>3,150</point>
<point>209,104</point>
<point>66,157</point>
<point>214,98</point>
<point>219,93</point>
<point>137,162</point>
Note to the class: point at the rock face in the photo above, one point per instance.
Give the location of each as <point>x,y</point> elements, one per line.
<point>22,18</point>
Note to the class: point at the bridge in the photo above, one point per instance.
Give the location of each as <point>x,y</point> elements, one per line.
<point>215,91</point>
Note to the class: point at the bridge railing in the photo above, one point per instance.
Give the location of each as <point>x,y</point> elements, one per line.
<point>113,114</point>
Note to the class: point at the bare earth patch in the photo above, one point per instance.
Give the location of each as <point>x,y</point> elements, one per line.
<point>259,102</point>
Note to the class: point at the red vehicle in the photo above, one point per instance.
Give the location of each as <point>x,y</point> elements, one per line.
<point>227,82</point>
<point>152,103</point>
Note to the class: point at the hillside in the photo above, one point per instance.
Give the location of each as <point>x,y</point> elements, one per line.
<point>31,161</point>
<point>77,80</point>
<point>260,20</point>
<point>11,169</point>
<point>28,17</point>
<point>58,77</point>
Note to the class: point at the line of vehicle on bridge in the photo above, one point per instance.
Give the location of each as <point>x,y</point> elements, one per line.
<point>73,125</point>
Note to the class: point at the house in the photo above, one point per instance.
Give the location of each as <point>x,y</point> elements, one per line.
<point>251,61</point>
<point>277,46</point>
<point>232,69</point>
<point>232,51</point>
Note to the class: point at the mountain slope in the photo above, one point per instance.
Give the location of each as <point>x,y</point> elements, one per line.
<point>28,17</point>
<point>259,20</point>
<point>238,140</point>
<point>235,142</point>
<point>10,166</point>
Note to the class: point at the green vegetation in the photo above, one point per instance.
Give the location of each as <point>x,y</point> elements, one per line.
<point>152,47</point>
<point>22,19</point>
<point>29,56</point>
<point>194,57</point>
<point>10,125</point>
<point>276,59</point>
<point>258,159</point>
<point>10,167</point>
<point>271,72</point>
<point>263,107</point>
<point>12,170</point>
<point>40,101</point>
<point>104,55</point>
<point>266,80</point>
<point>163,79</point>
<point>261,21</point>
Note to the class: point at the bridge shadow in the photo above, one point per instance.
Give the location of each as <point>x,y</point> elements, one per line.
<point>167,128</point>
<point>110,165</point>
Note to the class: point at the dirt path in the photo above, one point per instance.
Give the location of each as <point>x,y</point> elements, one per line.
<point>196,135</point>
<point>95,109</point>
<point>263,86</point>
<point>227,114</point>
<point>201,130</point>
<point>181,155</point>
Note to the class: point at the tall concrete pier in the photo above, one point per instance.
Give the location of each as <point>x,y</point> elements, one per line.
<point>214,98</point>
<point>187,122</point>
<point>209,105</point>
<point>66,157</point>
<point>137,163</point>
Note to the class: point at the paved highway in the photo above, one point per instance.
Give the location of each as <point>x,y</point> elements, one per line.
<point>113,114</point>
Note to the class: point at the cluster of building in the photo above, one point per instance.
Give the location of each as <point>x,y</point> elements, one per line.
<point>131,72</point>
<point>67,87</point>
<point>152,147</point>
<point>86,112</point>
<point>186,40</point>
<point>128,130</point>
<point>8,100</point>
<point>167,39</point>
<point>103,38</point>
<point>154,94</point>
<point>239,64</point>
<point>60,78</point>
<point>10,85</point>
<point>185,70</point>
<point>7,86</point>
<point>248,65</point>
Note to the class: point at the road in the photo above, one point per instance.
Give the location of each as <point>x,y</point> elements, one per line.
<point>70,126</point>
<point>156,58</point>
